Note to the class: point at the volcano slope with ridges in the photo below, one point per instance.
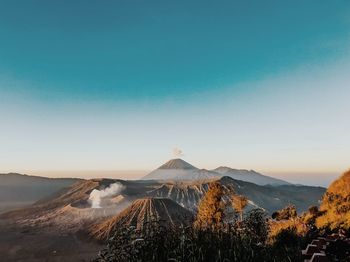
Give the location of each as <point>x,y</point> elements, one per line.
<point>164,211</point>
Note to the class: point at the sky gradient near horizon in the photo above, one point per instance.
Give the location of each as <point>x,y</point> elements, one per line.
<point>117,85</point>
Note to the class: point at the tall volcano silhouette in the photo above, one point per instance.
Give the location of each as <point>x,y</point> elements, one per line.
<point>177,163</point>
<point>178,169</point>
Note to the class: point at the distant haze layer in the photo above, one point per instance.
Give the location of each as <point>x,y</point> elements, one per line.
<point>121,174</point>
<point>305,178</point>
<point>323,179</point>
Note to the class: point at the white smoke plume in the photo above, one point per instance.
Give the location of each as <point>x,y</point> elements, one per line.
<point>177,152</point>
<point>97,195</point>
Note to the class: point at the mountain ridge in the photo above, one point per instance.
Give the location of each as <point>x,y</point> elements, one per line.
<point>178,169</point>
<point>249,176</point>
<point>19,190</point>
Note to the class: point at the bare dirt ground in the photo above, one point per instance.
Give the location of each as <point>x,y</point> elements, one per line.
<point>34,245</point>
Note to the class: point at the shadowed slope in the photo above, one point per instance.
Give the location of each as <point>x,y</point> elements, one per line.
<point>270,198</point>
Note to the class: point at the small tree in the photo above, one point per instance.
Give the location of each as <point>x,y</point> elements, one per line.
<point>255,226</point>
<point>239,202</point>
<point>289,212</point>
<point>211,208</point>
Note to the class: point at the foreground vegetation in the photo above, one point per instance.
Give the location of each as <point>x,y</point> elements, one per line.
<point>240,241</point>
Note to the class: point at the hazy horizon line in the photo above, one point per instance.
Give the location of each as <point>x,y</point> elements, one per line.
<point>311,178</point>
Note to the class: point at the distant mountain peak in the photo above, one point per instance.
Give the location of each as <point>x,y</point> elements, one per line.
<point>222,169</point>
<point>177,163</point>
<point>249,176</point>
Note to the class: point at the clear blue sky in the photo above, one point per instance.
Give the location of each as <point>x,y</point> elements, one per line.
<point>118,84</point>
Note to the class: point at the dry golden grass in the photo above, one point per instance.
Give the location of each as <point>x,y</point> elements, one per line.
<point>336,205</point>
<point>276,227</point>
